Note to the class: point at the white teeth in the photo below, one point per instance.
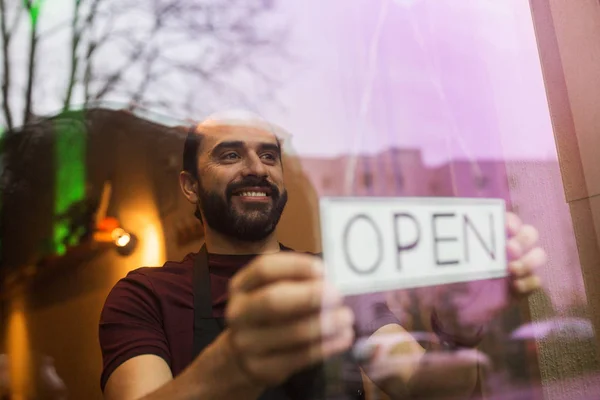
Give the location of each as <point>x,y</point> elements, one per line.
<point>253,194</point>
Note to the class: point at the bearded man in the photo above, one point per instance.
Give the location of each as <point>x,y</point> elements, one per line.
<point>246,317</point>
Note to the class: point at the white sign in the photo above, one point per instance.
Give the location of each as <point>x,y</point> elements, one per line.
<point>378,244</point>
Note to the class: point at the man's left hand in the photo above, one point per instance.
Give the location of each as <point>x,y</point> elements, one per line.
<point>463,308</point>
<point>524,256</point>
<point>402,366</point>
<point>466,307</point>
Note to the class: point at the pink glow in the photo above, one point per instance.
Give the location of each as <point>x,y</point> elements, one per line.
<point>456,79</point>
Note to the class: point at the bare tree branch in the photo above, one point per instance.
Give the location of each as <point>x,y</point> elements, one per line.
<point>146,80</point>
<point>115,77</point>
<point>75,38</point>
<point>93,45</point>
<point>89,20</point>
<point>211,79</point>
<point>6,58</point>
<point>27,114</point>
<point>207,43</point>
<point>184,22</point>
<point>237,40</point>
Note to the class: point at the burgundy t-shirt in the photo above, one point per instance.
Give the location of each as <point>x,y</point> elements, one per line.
<point>151,311</point>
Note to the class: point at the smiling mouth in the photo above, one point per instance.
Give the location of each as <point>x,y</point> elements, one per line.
<point>253,192</point>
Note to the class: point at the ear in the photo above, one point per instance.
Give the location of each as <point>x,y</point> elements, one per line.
<point>189,186</point>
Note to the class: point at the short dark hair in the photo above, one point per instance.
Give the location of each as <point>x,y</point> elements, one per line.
<point>190,157</point>
<point>190,151</point>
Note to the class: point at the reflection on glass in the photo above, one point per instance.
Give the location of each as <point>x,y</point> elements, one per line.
<point>379,98</point>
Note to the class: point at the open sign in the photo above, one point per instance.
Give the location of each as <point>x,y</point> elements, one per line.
<point>378,244</point>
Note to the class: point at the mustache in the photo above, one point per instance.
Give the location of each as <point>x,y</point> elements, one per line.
<point>252,181</point>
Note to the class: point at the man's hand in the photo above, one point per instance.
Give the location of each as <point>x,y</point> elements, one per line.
<point>402,368</point>
<point>474,304</point>
<point>282,317</point>
<point>463,308</point>
<point>524,256</point>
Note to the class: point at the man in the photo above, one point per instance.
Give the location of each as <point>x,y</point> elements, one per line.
<point>245,317</point>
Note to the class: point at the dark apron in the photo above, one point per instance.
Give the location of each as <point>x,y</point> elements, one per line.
<point>309,384</point>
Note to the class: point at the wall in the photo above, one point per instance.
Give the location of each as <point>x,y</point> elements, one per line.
<point>392,172</point>
<point>57,314</point>
<point>568,34</point>
<point>62,308</point>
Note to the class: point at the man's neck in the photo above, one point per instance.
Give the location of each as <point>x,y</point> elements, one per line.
<point>220,244</point>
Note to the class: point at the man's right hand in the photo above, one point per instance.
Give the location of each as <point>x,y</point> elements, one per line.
<point>282,317</point>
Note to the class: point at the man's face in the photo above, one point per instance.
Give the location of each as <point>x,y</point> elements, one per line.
<point>241,191</point>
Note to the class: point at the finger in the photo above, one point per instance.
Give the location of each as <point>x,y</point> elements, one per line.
<point>444,372</point>
<point>280,302</point>
<point>434,363</point>
<point>365,354</point>
<point>276,367</point>
<point>276,267</point>
<point>513,224</point>
<point>527,285</point>
<point>522,242</point>
<point>527,264</point>
<point>313,328</point>
<point>527,237</point>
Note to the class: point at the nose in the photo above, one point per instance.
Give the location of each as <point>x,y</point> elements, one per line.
<point>255,166</point>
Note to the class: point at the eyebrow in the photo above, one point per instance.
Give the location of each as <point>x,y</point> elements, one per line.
<point>238,144</point>
<point>271,147</point>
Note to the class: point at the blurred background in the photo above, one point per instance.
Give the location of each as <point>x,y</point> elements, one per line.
<point>463,98</point>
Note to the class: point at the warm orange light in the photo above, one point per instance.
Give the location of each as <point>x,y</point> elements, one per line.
<point>103,237</point>
<point>153,247</point>
<point>107,224</point>
<point>123,240</point>
<point>19,350</point>
<point>117,233</point>
<point>121,237</point>
<point>142,221</point>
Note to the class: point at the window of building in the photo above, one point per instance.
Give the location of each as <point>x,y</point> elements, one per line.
<point>368,180</point>
<point>400,181</point>
<point>481,182</point>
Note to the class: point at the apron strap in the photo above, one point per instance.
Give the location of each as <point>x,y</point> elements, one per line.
<point>206,328</point>
<point>202,293</point>
<point>305,385</point>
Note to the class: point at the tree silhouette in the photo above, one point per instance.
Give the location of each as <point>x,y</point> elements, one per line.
<point>163,55</point>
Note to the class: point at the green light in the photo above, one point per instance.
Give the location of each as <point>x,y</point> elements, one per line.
<point>34,10</point>
<point>70,173</point>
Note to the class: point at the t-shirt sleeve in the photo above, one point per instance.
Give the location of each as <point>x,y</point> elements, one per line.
<point>371,313</point>
<point>131,324</point>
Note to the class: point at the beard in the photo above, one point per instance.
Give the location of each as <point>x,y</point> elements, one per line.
<point>254,222</point>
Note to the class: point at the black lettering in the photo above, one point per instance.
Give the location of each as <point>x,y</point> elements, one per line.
<point>354,267</point>
<point>399,246</point>
<point>490,250</point>
<point>437,239</point>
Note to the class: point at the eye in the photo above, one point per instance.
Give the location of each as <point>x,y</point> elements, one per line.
<point>269,157</point>
<point>230,156</point>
